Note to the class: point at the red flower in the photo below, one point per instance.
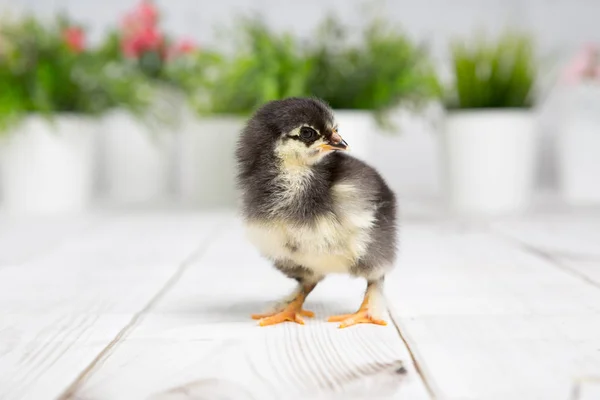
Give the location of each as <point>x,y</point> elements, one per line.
<point>140,31</point>
<point>185,46</point>
<point>130,24</point>
<point>74,37</point>
<point>144,16</point>
<point>147,13</point>
<point>147,39</point>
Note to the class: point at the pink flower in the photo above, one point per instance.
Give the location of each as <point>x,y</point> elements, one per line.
<point>74,37</point>
<point>140,31</point>
<point>130,24</point>
<point>137,43</point>
<point>144,16</point>
<point>147,13</point>
<point>585,65</point>
<point>185,46</point>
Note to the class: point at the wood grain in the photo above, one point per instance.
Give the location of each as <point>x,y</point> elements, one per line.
<point>22,239</point>
<point>157,306</point>
<point>489,320</point>
<point>569,241</point>
<point>199,341</point>
<point>588,269</point>
<point>59,311</point>
<point>586,388</point>
<point>573,235</point>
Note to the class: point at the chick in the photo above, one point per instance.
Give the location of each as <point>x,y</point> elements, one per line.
<point>312,209</point>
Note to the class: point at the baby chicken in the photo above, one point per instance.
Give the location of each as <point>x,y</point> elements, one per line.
<point>312,209</point>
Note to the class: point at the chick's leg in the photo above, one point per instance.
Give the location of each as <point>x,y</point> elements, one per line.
<point>370,310</point>
<point>291,308</point>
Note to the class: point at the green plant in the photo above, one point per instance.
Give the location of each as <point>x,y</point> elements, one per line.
<point>171,69</point>
<point>265,66</point>
<point>493,75</point>
<point>141,42</point>
<point>381,72</point>
<point>45,68</point>
<point>124,86</point>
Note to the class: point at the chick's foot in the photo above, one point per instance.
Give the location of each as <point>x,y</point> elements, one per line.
<point>367,313</point>
<point>293,312</point>
<point>362,316</point>
<point>303,313</point>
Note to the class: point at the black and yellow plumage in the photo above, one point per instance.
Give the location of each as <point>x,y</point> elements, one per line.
<point>313,209</point>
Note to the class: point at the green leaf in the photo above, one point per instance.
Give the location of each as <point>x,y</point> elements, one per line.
<point>493,75</point>
<point>384,71</point>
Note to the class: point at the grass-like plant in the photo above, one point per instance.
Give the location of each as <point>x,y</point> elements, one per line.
<point>47,68</point>
<point>499,74</point>
<point>377,74</point>
<point>264,66</point>
<point>382,71</point>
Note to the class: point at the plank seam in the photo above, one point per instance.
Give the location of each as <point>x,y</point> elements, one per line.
<point>197,254</point>
<point>419,365</point>
<point>547,256</point>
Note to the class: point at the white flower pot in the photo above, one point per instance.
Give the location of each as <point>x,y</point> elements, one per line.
<point>136,160</point>
<point>488,160</point>
<point>407,156</point>
<point>206,160</point>
<point>578,145</point>
<point>358,128</point>
<point>47,167</point>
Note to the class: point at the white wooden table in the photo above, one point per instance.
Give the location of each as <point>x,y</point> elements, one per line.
<point>157,304</point>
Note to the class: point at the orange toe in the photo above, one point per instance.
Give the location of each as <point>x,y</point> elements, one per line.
<point>303,313</point>
<point>292,311</point>
<point>306,313</point>
<point>283,316</point>
<point>361,317</point>
<point>339,318</point>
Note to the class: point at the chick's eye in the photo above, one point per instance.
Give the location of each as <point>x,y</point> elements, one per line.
<point>307,133</point>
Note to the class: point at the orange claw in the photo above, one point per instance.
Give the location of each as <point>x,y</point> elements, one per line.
<point>360,317</point>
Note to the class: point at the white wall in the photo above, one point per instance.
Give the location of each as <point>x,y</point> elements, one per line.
<point>559,25</point>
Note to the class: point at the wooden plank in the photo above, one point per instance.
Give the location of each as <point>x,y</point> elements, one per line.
<point>486,319</point>
<point>22,239</point>
<point>200,341</point>
<point>57,313</point>
<point>586,388</point>
<point>570,241</point>
<point>587,269</point>
<point>573,235</point>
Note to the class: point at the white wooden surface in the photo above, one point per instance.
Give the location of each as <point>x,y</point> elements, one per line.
<point>59,312</point>
<point>156,305</point>
<point>21,240</point>
<point>489,320</point>
<point>202,330</point>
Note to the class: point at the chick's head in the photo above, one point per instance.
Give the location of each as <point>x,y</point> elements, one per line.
<point>298,131</point>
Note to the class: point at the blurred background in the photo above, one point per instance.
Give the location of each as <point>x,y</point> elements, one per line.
<point>478,106</point>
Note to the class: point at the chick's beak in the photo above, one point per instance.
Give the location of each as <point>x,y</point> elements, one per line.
<point>335,143</point>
